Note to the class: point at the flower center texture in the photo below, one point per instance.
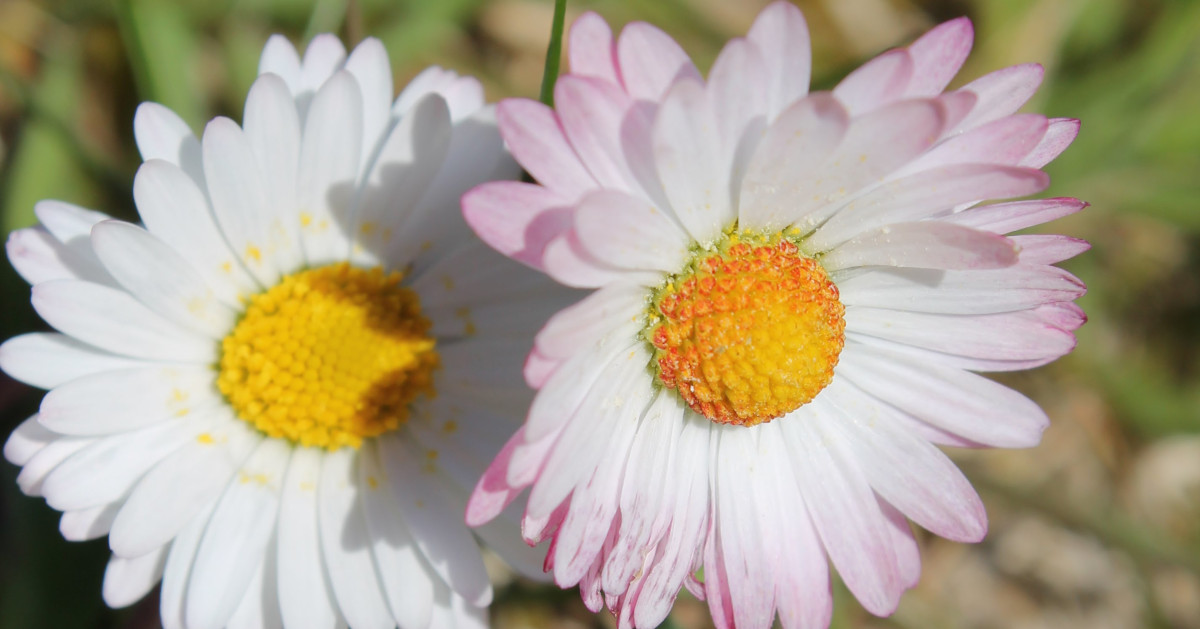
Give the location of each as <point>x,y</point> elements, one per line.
<point>748,331</point>
<point>329,356</point>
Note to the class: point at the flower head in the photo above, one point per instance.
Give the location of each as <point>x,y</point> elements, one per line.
<point>275,396</point>
<point>793,291</point>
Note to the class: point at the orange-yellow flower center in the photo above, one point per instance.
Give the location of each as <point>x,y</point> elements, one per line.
<point>748,332</point>
<point>328,357</point>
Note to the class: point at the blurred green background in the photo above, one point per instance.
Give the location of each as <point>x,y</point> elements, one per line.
<point>1098,527</point>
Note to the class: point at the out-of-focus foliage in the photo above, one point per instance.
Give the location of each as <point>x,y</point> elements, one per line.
<point>1097,527</point>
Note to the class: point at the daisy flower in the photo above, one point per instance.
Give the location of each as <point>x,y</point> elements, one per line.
<point>793,291</point>
<point>276,395</point>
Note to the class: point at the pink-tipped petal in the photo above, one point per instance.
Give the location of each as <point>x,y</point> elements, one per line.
<point>651,61</point>
<point>879,82</point>
<point>1061,133</point>
<point>926,244</point>
<point>781,36</point>
<point>1001,93</point>
<point>937,56</point>
<point>590,48</point>
<point>1004,218</point>
<point>537,140</point>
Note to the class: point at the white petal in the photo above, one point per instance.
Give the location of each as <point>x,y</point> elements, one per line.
<point>628,232</point>
<point>368,62</point>
<point>39,257</point>
<point>960,402</point>
<point>305,596</point>
<point>590,318</point>
<point>46,360</point>
<point>437,527</point>
<point>27,440</point>
<point>798,559</point>
<point>476,275</point>
<point>844,511</point>
<point>1015,336</point>
<point>875,144</point>
<point>128,580</point>
<point>345,543</point>
<point>162,134</point>
<point>407,580</point>
<point>794,146</point>
<point>259,608</point>
<point>621,393</point>
<point>737,88</point>
<point>646,491</point>
<point>235,541</point>
<point>324,55</point>
<point>113,320</point>
<point>563,393</point>
<point>162,280</point>
<point>689,160</point>
<point>177,211</point>
<point>329,155</point>
<point>907,471</point>
<point>925,194</point>
<point>781,34</point>
<point>464,94</point>
<point>926,245</point>
<point>88,524</point>
<point>279,57</point>
<point>72,226</point>
<point>114,401</point>
<point>108,468</point>
<point>594,501</point>
<point>736,518</point>
<point>409,160</point>
<point>273,131</point>
<point>178,570</point>
<point>689,523</point>
<point>181,486</point>
<point>1018,287</point>
<point>46,460</point>
<point>240,202</point>
<point>476,154</point>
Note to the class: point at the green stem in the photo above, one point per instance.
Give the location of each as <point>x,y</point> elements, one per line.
<point>554,52</point>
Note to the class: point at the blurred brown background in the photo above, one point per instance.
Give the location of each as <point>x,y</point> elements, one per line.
<point>1099,527</point>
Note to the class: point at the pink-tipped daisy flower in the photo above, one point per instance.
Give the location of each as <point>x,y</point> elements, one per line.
<point>793,292</point>
<point>276,395</point>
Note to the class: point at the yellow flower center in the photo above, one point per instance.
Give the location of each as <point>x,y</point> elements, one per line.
<point>748,332</point>
<point>329,356</point>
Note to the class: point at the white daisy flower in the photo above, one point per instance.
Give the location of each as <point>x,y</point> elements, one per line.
<point>275,396</point>
<point>793,293</point>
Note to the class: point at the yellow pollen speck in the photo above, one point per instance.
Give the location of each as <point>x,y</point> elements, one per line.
<point>367,228</point>
<point>305,219</point>
<point>227,266</point>
<point>372,482</point>
<point>749,331</point>
<point>448,282</point>
<point>307,486</point>
<point>181,412</point>
<point>329,357</point>
<point>253,254</point>
<point>450,427</point>
<point>205,438</point>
